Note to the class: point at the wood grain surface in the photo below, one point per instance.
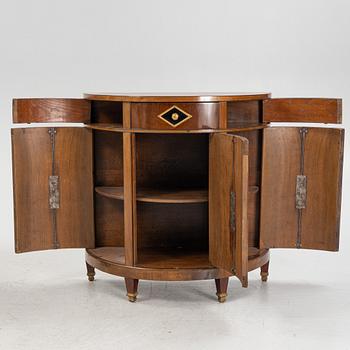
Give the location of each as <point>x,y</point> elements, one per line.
<point>311,110</point>
<point>156,195</point>
<point>177,97</point>
<point>112,260</point>
<point>228,174</point>
<point>204,116</point>
<point>316,226</point>
<point>38,227</point>
<point>48,110</point>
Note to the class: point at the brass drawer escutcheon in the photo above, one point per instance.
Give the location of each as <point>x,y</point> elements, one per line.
<point>174,116</point>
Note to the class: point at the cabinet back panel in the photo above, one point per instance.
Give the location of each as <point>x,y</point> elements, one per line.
<point>172,225</point>
<point>108,171</point>
<point>106,112</point>
<point>108,158</point>
<point>253,218</point>
<point>109,222</point>
<point>175,161</point>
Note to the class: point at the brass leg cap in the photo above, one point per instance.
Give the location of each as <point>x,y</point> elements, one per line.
<point>132,297</point>
<point>221,297</point>
<point>264,276</point>
<point>91,278</point>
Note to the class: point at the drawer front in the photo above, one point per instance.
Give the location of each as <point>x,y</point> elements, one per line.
<point>175,116</point>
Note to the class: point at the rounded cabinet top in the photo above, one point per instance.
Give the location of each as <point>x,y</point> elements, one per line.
<point>177,97</point>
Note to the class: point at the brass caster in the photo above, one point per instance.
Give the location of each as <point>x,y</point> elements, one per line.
<point>221,297</point>
<point>264,276</point>
<point>132,297</point>
<point>91,278</point>
<point>90,272</point>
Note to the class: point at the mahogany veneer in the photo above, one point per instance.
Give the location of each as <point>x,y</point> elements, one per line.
<point>177,187</point>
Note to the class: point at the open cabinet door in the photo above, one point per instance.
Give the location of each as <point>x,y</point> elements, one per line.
<point>310,110</point>
<point>301,188</point>
<point>53,188</point>
<point>228,193</point>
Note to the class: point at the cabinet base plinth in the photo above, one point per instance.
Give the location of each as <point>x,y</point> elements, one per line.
<point>111,260</point>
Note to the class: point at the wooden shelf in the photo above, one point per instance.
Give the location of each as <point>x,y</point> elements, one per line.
<point>118,127</point>
<point>157,196</point>
<point>105,126</point>
<point>161,196</point>
<point>115,255</point>
<point>179,258</point>
<point>173,258</point>
<point>163,258</point>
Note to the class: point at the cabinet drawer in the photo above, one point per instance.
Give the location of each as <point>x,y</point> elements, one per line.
<point>175,116</point>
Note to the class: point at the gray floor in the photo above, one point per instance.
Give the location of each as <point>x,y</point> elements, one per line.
<point>47,303</point>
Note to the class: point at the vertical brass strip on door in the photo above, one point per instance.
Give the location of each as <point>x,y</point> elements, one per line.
<point>300,188</point>
<point>53,189</point>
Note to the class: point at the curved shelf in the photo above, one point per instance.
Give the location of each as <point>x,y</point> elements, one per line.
<point>105,126</point>
<point>119,128</point>
<point>193,266</point>
<point>149,195</point>
<point>170,258</point>
<point>157,196</point>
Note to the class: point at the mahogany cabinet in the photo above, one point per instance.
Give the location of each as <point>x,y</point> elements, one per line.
<point>177,187</point>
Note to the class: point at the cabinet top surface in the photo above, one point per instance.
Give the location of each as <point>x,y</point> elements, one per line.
<point>178,97</point>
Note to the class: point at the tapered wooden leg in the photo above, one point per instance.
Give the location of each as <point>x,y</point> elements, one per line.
<point>131,288</point>
<point>90,272</point>
<point>264,271</point>
<point>221,289</point>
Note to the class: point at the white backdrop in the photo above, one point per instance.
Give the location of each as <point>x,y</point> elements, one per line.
<point>64,48</point>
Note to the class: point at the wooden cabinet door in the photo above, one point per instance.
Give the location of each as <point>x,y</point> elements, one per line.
<point>49,110</point>
<point>311,110</point>
<point>228,193</point>
<point>53,188</point>
<point>301,188</point>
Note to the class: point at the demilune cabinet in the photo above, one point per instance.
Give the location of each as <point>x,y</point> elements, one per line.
<point>177,187</point>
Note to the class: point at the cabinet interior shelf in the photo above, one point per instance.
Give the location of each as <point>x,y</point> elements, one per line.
<point>163,258</point>
<point>173,258</point>
<point>105,126</point>
<point>157,195</point>
<point>234,127</point>
<point>151,195</point>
